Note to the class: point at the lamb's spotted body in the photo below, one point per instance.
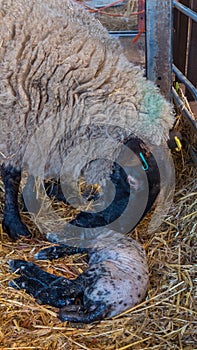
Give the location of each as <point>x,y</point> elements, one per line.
<point>116,279</point>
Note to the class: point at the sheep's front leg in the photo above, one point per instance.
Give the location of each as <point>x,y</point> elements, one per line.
<point>75,314</point>
<point>43,286</point>
<point>12,223</point>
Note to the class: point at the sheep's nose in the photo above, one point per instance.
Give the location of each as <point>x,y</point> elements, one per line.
<point>133,182</point>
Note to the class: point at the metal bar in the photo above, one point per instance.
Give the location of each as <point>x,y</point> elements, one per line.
<point>102,3</point>
<point>124,33</point>
<point>185,81</point>
<point>179,103</point>
<point>141,16</point>
<point>159,44</point>
<point>185,10</point>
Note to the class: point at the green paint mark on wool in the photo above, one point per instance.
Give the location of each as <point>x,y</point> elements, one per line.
<point>153,104</point>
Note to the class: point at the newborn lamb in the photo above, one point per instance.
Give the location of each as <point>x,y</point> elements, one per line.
<point>116,279</point>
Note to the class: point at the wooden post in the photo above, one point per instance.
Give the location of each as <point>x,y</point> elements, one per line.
<point>159,44</point>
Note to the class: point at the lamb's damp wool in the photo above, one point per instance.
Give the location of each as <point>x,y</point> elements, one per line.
<point>115,280</point>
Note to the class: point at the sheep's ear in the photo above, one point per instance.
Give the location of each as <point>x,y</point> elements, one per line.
<point>174,141</point>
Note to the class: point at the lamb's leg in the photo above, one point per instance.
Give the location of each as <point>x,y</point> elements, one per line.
<point>12,223</point>
<point>59,251</point>
<point>76,315</point>
<point>45,287</point>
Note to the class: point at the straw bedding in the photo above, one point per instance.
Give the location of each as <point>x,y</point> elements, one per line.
<point>165,320</point>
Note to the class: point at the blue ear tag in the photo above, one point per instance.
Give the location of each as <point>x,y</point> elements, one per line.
<point>145,166</point>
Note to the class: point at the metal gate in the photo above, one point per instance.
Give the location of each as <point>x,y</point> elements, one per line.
<point>171,47</point>
<point>170,28</point>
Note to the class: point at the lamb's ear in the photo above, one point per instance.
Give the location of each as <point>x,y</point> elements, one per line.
<point>58,251</point>
<point>68,314</point>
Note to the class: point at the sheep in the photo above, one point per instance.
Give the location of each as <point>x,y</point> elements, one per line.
<point>115,280</point>
<point>68,92</point>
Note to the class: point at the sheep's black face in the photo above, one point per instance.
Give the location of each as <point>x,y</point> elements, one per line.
<point>137,185</point>
<point>151,170</point>
<point>128,194</point>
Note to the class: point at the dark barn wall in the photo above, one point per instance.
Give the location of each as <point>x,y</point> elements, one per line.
<point>185,44</point>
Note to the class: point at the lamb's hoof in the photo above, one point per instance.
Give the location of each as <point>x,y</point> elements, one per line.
<point>15,230</point>
<point>18,265</point>
<point>28,276</point>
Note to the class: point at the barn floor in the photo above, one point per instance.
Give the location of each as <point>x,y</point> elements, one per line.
<point>165,320</point>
